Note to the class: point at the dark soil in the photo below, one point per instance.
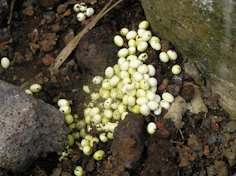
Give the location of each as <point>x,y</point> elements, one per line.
<point>206,145</point>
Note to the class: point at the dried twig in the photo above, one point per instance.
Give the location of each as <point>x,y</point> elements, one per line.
<point>11,12</point>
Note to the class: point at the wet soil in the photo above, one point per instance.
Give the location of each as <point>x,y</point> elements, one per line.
<point>206,143</point>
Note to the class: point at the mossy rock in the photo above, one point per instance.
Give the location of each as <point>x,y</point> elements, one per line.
<point>204,33</point>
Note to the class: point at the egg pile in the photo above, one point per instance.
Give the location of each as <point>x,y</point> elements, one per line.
<point>127,87</point>
<point>83,11</point>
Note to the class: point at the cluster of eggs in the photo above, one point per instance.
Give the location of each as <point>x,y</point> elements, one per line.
<point>127,87</point>
<point>83,11</point>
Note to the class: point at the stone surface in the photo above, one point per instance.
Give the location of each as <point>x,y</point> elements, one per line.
<point>128,144</point>
<point>99,51</point>
<point>3,11</point>
<point>204,33</point>
<point>29,128</point>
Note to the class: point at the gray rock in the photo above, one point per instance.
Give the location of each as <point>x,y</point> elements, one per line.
<point>203,32</point>
<point>29,128</point>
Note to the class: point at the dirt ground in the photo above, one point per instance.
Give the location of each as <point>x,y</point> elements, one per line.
<point>206,143</point>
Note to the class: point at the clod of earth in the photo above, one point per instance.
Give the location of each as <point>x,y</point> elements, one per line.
<point>29,128</point>
<point>129,144</point>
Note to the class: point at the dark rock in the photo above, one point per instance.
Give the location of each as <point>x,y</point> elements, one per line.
<point>187,92</point>
<point>3,11</point>
<point>166,45</point>
<point>29,128</point>
<point>159,159</point>
<point>174,89</point>
<point>95,51</point>
<point>48,4</point>
<point>128,144</point>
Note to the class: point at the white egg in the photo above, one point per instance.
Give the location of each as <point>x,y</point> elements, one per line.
<point>135,63</point>
<point>143,24</point>
<point>125,66</point>
<point>123,52</point>
<point>154,38</point>
<point>151,95</point>
<point>97,118</point>
<point>107,103</point>
<point>155,45</point>
<point>107,113</point>
<point>151,70</point>
<point>172,54</point>
<point>131,101</point>
<point>89,12</point>
<point>118,40</point>
<point>132,57</point>
<point>35,88</point>
<point>142,46</point>
<point>124,74</point>
<point>137,76</point>
<point>121,61</point>
<point>158,111</point>
<point>142,100</point>
<point>132,43</point>
<point>141,32</point>
<point>143,69</point>
<point>65,110</point>
<point>78,171</point>
<point>125,99</point>
<point>94,110</point>
<point>153,105</point>
<point>143,56</point>
<point>146,76</point>
<point>63,102</point>
<point>97,79</point>
<point>95,96</point>
<point>5,62</point>
<point>131,35</point>
<point>76,8</point>
<point>114,81</point>
<point>164,104</point>
<point>152,81</point>
<point>132,50</point>
<point>124,31</point>
<point>144,84</point>
<point>81,16</point>
<point>163,56</point>
<point>109,72</point>
<point>144,110</point>
<point>157,98</point>
<point>146,35</point>
<point>168,97</point>
<point>140,93</point>
<point>82,7</point>
<point>28,92</point>
<point>151,128</point>
<point>176,69</point>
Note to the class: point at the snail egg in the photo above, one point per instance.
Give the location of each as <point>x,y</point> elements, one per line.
<point>172,54</point>
<point>168,97</point>
<point>163,56</point>
<point>143,24</point>
<point>131,35</point>
<point>118,40</point>
<point>142,46</point>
